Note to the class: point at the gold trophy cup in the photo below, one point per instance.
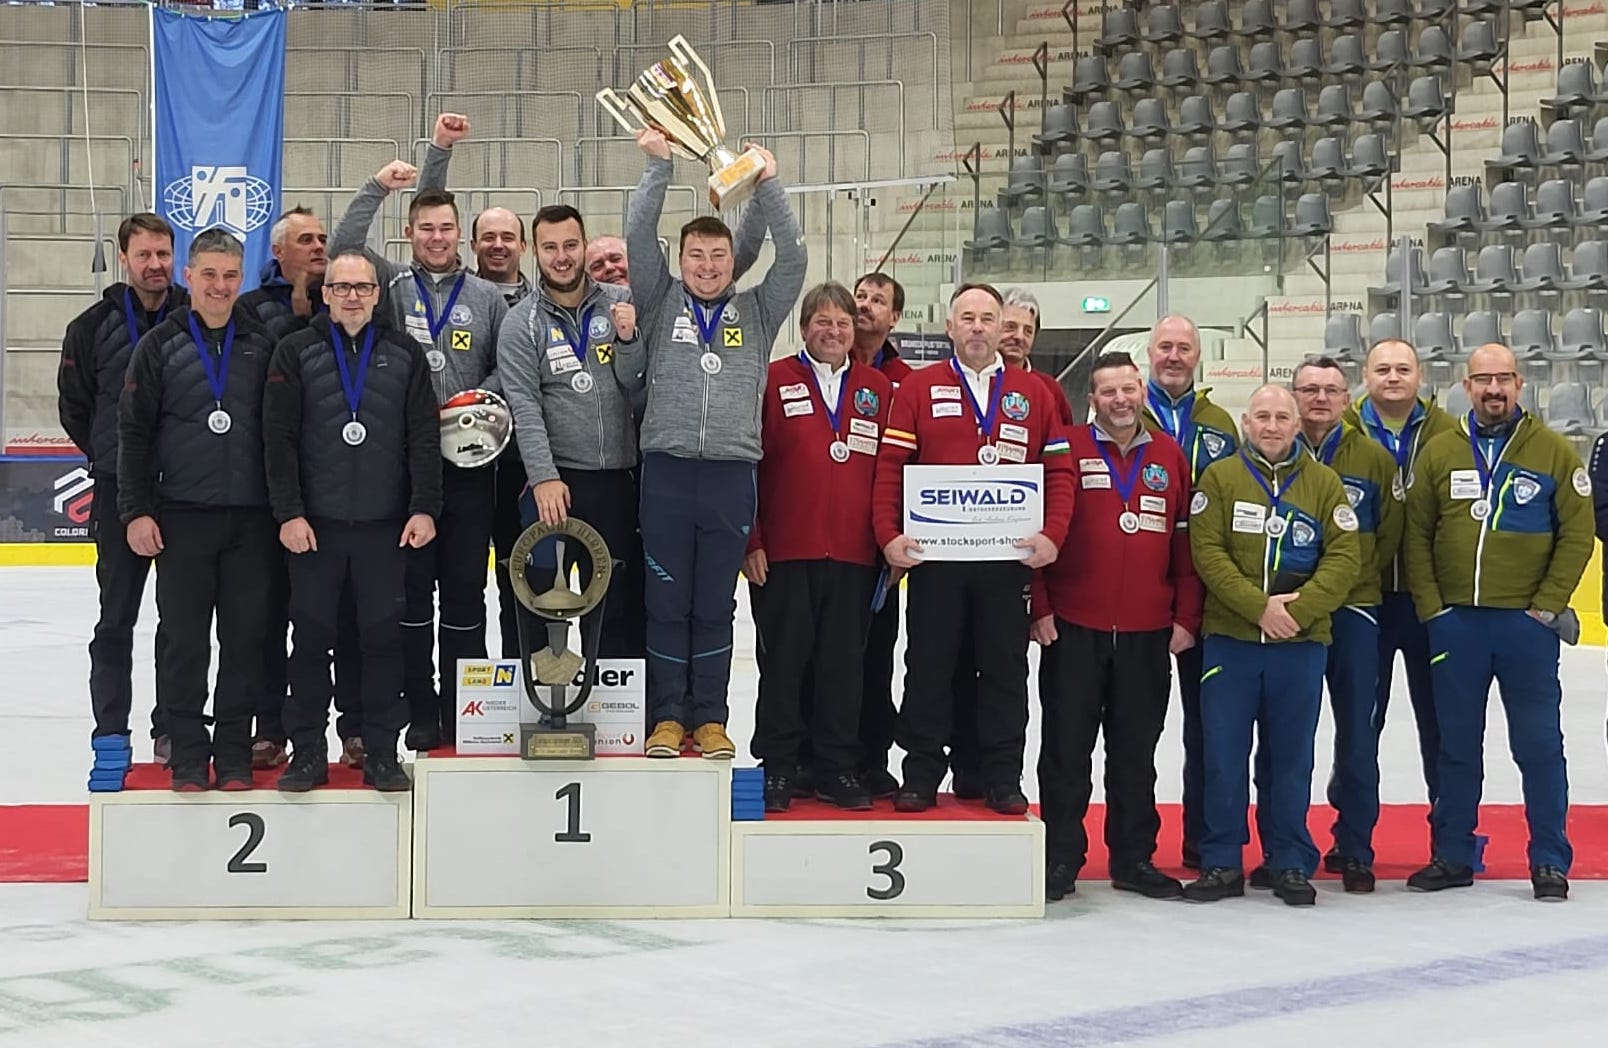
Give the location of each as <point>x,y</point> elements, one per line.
<point>686,110</point>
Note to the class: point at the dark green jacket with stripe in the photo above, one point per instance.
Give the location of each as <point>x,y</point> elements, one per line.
<point>1426,421</point>
<point>1368,473</point>
<point>1240,564</point>
<point>1211,435</point>
<point>1532,547</point>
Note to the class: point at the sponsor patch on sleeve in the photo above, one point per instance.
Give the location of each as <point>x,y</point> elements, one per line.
<point>1582,482</point>
<point>1345,518</point>
<point>796,391</point>
<point>1197,505</point>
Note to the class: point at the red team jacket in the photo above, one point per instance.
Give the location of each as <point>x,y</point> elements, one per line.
<point>890,363</point>
<point>926,429</point>
<point>1109,580</point>
<point>1057,392</point>
<point>811,507</point>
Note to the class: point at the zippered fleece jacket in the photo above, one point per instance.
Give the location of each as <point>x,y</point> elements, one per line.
<point>1426,421</point>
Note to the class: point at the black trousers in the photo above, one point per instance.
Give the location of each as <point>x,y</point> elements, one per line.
<point>811,617</point>
<point>964,755</point>
<point>505,529</point>
<point>949,601</point>
<point>1094,681</point>
<point>1190,668</point>
<point>364,560</point>
<point>120,577</point>
<point>454,564</point>
<point>878,715</point>
<point>270,716</point>
<point>214,561</point>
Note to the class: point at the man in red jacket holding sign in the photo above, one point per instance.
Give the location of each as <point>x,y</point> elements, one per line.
<point>1109,620</point>
<point>812,558</point>
<point>970,411</point>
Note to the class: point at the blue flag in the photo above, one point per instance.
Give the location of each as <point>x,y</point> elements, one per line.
<point>219,127</point>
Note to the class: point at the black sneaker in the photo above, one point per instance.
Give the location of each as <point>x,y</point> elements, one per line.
<point>1262,878</point>
<point>1191,857</point>
<point>1060,880</point>
<point>913,800</point>
<point>384,772</point>
<point>1293,887</point>
<point>780,789</point>
<point>1357,877</point>
<point>1549,884</point>
<point>1007,800</point>
<point>1440,875</point>
<point>234,780</point>
<point>422,738</point>
<point>880,782</point>
<point>191,778</point>
<point>1334,862</point>
<point>1218,882</point>
<point>1148,881</point>
<point>307,771</point>
<point>842,790</point>
<point>967,786</point>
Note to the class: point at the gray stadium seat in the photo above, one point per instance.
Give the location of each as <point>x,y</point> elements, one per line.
<point>1306,60</point>
<point>1241,113</point>
<point>1433,51</point>
<point>1454,400</point>
<point>1103,122</point>
<point>1256,20</point>
<point>1155,170</point>
<point>1162,24</point>
<point>1241,166</point>
<point>1037,229</point>
<point>1178,223</point>
<point>1089,79</point>
<point>1287,164</point>
<point>1267,218</point>
<point>1426,102</point>
<point>1384,326</point>
<point>1588,266</point>
<point>1198,169</point>
<point>992,230</point>
<point>1464,212</point>
<point>1481,327</point>
<point>1432,336</point>
<point>1378,104</point>
<point>1594,202</point>
<point>1135,73</point>
<point>1569,410</point>
<point>1392,285</point>
<point>1265,63</point>
<point>1531,335</point>
<point>1342,336</point>
<point>1583,334</point>
<point>1369,158</point>
<point>1223,66</point>
<point>1070,175</point>
<point>1223,221</point>
<point>1448,272</point>
<point>1328,163</point>
<point>1577,88</point>
<point>1289,110</point>
<point>1346,14</point>
<point>1211,21</point>
<point>1085,227</point>
<point>1334,107</point>
<point>1195,116</point>
<point>1347,57</point>
<point>1131,226</point>
<point>1494,273</point>
<point>1390,52</point>
<point>1391,12</point>
<point>1542,269</point>
<point>1119,27</point>
<point>1179,68</point>
<point>1301,16</point>
<point>1111,173</point>
<point>1521,148</point>
<point>1025,180</point>
<point>1060,126</point>
<point>1149,119</point>
<point>1312,215</point>
<point>1554,205</point>
<point>1508,209</point>
<point>1566,146</point>
<point>1598,153</point>
<point>1477,46</point>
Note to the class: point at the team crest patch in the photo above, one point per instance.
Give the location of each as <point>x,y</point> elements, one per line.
<point>1197,505</point>
<point>599,327</point>
<point>729,314</point>
<point>866,401</point>
<point>1214,444</point>
<point>460,315</point>
<point>1345,518</point>
<point>1301,533</point>
<point>1525,489</point>
<point>1582,483</point>
<point>1155,477</point>
<point>1015,406</point>
<point>1353,495</point>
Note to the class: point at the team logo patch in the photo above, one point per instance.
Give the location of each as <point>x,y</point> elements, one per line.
<point>1301,533</point>
<point>599,327</point>
<point>1197,505</point>
<point>1155,476</point>
<point>866,401</point>
<point>1214,444</point>
<point>1582,483</point>
<point>605,353</point>
<point>1015,406</point>
<point>1525,489</point>
<point>460,340</point>
<point>731,338</point>
<point>1353,495</point>
<point>460,315</point>
<point>729,314</point>
<point>1345,518</point>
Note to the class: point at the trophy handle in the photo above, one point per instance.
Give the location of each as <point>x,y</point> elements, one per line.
<point>681,49</point>
<point>618,108</point>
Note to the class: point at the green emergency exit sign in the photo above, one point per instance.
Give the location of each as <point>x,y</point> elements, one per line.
<point>1095,304</point>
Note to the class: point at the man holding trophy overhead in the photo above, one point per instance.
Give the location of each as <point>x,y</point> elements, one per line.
<point>708,350</point>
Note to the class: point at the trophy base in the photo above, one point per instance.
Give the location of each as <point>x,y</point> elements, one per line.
<point>734,183</point>
<point>574,742</point>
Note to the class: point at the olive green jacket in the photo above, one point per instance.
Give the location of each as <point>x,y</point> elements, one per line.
<point>1368,473</point>
<point>1426,421</point>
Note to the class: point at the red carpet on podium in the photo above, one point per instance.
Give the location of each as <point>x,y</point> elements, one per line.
<point>49,843</point>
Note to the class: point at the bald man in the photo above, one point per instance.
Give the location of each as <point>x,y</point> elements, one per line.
<point>1499,529</point>
<point>1275,544</point>
<point>499,242</point>
<point>606,261</point>
<point>1176,407</point>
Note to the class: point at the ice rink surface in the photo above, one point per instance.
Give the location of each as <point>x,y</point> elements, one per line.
<point>1484,966</point>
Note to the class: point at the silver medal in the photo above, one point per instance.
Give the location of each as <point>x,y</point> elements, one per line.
<point>711,363</point>
<point>1128,522</point>
<point>354,433</point>
<point>840,451</point>
<point>1479,509</point>
<point>1276,526</point>
<point>436,359</point>
<point>219,422</point>
<point>582,382</point>
<point>988,455</point>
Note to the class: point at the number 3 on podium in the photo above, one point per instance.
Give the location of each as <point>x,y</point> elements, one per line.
<point>889,869</point>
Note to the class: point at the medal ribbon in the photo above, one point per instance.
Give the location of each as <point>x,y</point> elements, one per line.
<point>1176,421</point>
<point>353,388</point>
<point>582,342</point>
<point>1326,451</point>
<point>1484,467</point>
<point>707,321</point>
<point>1400,446</point>
<point>996,391</point>
<point>832,413</point>
<point>437,325</point>
<point>1275,494</point>
<point>128,316</point>
<point>218,373</point>
<point>1124,483</point>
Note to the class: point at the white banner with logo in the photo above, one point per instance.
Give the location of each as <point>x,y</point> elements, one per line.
<point>973,512</point>
<point>492,704</point>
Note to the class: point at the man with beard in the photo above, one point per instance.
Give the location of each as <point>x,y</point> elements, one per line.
<point>606,261</point>
<point>1498,532</point>
<point>569,354</point>
<point>94,357</point>
<point>498,239</point>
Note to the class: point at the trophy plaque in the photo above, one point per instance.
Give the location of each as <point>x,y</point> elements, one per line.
<point>476,426</point>
<point>686,110</point>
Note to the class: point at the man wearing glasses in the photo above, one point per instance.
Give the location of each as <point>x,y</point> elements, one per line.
<point>1367,472</point>
<point>1499,529</point>
<point>353,452</point>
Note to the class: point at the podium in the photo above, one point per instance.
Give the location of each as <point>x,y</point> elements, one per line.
<point>612,837</point>
<point>341,852</point>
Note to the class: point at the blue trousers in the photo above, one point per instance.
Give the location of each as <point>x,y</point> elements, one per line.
<point>696,515</point>
<point>1400,630</point>
<point>1352,674</point>
<point>1472,646</point>
<point>1274,691</point>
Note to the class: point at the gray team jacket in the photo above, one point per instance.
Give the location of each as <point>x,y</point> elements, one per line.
<point>464,354</point>
<point>555,423</point>
<point>693,414</point>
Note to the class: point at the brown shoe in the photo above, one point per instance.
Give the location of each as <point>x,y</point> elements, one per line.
<point>713,742</point>
<point>666,739</point>
<point>267,754</point>
<point>352,752</point>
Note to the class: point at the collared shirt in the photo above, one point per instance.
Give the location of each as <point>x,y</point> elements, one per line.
<point>979,381</point>
<point>828,379</point>
<point>1142,436</point>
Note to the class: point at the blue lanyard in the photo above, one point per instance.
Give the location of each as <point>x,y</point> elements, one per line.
<point>1399,446</point>
<point>437,325</point>
<point>1274,494</point>
<point>707,321</point>
<point>996,390</point>
<point>128,317</point>
<point>832,413</point>
<point>353,388</point>
<point>1325,451</point>
<point>217,374</point>
<point>1484,466</point>
<point>1126,482</point>
<point>579,344</point>
<point>1176,420</point>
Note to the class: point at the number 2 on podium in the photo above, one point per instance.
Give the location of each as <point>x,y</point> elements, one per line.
<point>572,831</point>
<point>254,833</point>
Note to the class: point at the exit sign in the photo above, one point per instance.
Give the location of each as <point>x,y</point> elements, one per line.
<point>1095,304</point>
